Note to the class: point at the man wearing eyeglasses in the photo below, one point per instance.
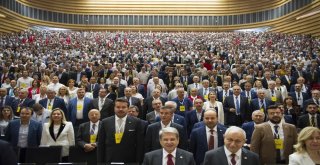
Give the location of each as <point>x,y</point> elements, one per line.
<point>274,139</point>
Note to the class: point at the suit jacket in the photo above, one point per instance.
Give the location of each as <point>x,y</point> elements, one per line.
<point>277,94</point>
<point>83,135</point>
<point>300,159</point>
<point>130,149</point>
<point>253,94</point>
<point>262,142</point>
<point>248,128</point>
<point>256,106</point>
<point>94,90</point>
<point>152,137</point>
<point>65,137</point>
<point>218,156</point>
<point>294,96</point>
<point>8,100</point>
<point>191,119</point>
<point>57,103</point>
<point>177,119</point>
<point>193,86</point>
<point>186,102</point>
<point>72,109</point>
<point>199,141</point>
<point>7,156</point>
<point>155,157</point>
<point>34,134</point>
<point>304,121</point>
<point>245,111</point>
<point>27,102</point>
<point>134,101</point>
<point>201,90</point>
<point>220,95</point>
<point>147,105</point>
<point>285,82</point>
<point>107,108</point>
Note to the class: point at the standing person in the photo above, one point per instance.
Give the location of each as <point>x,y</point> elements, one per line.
<point>232,152</point>
<point>103,104</point>
<point>169,154</point>
<point>58,132</point>
<point>120,136</point>
<point>307,148</point>
<point>311,119</point>
<point>273,140</point>
<point>7,154</point>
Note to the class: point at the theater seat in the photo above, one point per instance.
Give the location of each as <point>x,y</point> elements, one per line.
<point>77,154</point>
<point>43,155</point>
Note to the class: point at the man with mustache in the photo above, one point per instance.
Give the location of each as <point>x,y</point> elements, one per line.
<point>273,140</point>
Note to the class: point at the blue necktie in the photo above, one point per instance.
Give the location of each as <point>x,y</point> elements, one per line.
<point>237,105</point>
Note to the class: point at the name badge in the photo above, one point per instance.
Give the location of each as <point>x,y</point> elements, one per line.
<point>206,97</point>
<point>93,138</point>
<point>23,85</point>
<point>79,107</point>
<point>262,110</point>
<point>278,144</point>
<point>274,98</point>
<point>49,107</point>
<point>18,109</point>
<point>118,137</point>
<point>182,108</point>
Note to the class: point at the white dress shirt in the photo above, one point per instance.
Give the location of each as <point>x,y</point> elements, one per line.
<point>165,156</point>
<point>120,128</point>
<point>215,136</point>
<point>280,133</point>
<point>237,157</point>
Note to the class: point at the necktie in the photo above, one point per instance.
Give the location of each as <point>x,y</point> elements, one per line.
<point>237,105</point>
<point>20,102</point>
<point>225,93</point>
<point>211,140</point>
<point>313,122</point>
<point>261,102</point>
<point>233,159</point>
<point>49,102</point>
<point>1,102</point>
<point>170,161</point>
<point>276,136</point>
<point>317,102</point>
<point>205,91</point>
<point>196,85</point>
<point>272,92</point>
<point>93,128</point>
<point>91,87</point>
<point>120,126</point>
<point>248,95</point>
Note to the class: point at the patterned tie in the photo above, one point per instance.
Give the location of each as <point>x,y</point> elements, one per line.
<point>276,136</point>
<point>233,159</point>
<point>170,161</point>
<point>313,121</point>
<point>93,128</point>
<point>211,140</point>
<point>237,105</point>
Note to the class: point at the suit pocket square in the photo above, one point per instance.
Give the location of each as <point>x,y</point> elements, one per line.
<point>131,130</point>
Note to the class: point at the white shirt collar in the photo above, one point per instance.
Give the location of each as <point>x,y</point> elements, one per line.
<point>173,153</point>
<point>123,119</point>
<point>214,128</point>
<point>228,154</point>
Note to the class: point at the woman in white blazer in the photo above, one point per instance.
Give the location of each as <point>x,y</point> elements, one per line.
<point>307,148</point>
<point>212,103</point>
<point>281,88</point>
<point>58,132</point>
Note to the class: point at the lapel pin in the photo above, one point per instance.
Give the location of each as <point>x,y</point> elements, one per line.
<point>181,157</point>
<point>245,157</point>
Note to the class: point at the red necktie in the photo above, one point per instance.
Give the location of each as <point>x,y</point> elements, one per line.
<point>170,161</point>
<point>211,140</point>
<point>233,159</point>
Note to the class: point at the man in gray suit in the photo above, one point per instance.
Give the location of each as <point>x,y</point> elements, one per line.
<point>151,116</point>
<point>204,91</point>
<point>169,140</point>
<point>196,84</point>
<point>232,151</point>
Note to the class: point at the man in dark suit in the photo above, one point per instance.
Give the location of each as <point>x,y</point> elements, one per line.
<point>147,103</point>
<point>199,141</point>
<point>315,98</point>
<point>152,116</point>
<point>299,96</point>
<point>286,79</point>
<point>230,153</point>
<point>7,156</point>
<point>103,104</point>
<point>52,102</point>
<point>311,119</point>
<point>121,87</point>
<point>120,137</point>
<point>152,140</point>
<point>87,135</point>
<point>225,92</point>
<point>169,140</point>
<point>132,100</point>
<point>261,102</point>
<point>257,118</point>
<point>194,116</point>
<point>5,100</point>
<point>93,87</point>
<point>24,132</point>
<point>23,101</point>
<point>236,108</point>
<point>247,92</point>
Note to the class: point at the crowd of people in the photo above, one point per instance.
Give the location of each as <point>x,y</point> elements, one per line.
<point>113,92</point>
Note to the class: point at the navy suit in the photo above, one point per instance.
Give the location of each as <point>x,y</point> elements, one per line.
<point>252,93</point>
<point>72,109</point>
<point>199,141</point>
<point>27,102</point>
<point>220,95</point>
<point>8,101</point>
<point>248,128</point>
<point>191,119</point>
<point>177,119</point>
<point>231,117</point>
<point>57,103</point>
<point>187,103</point>
<point>94,89</point>
<point>294,96</point>
<point>256,106</point>
<point>34,134</point>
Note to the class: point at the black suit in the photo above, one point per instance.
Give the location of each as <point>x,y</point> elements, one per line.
<point>83,135</point>
<point>107,109</point>
<point>27,102</point>
<point>218,156</point>
<point>152,136</point>
<point>304,121</point>
<point>147,105</point>
<point>7,155</point>
<point>231,117</point>
<point>155,157</point>
<point>134,101</point>
<point>129,150</point>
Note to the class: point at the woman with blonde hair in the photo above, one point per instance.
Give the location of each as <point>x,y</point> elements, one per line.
<point>58,132</point>
<point>307,147</point>
<point>63,93</point>
<point>214,104</point>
